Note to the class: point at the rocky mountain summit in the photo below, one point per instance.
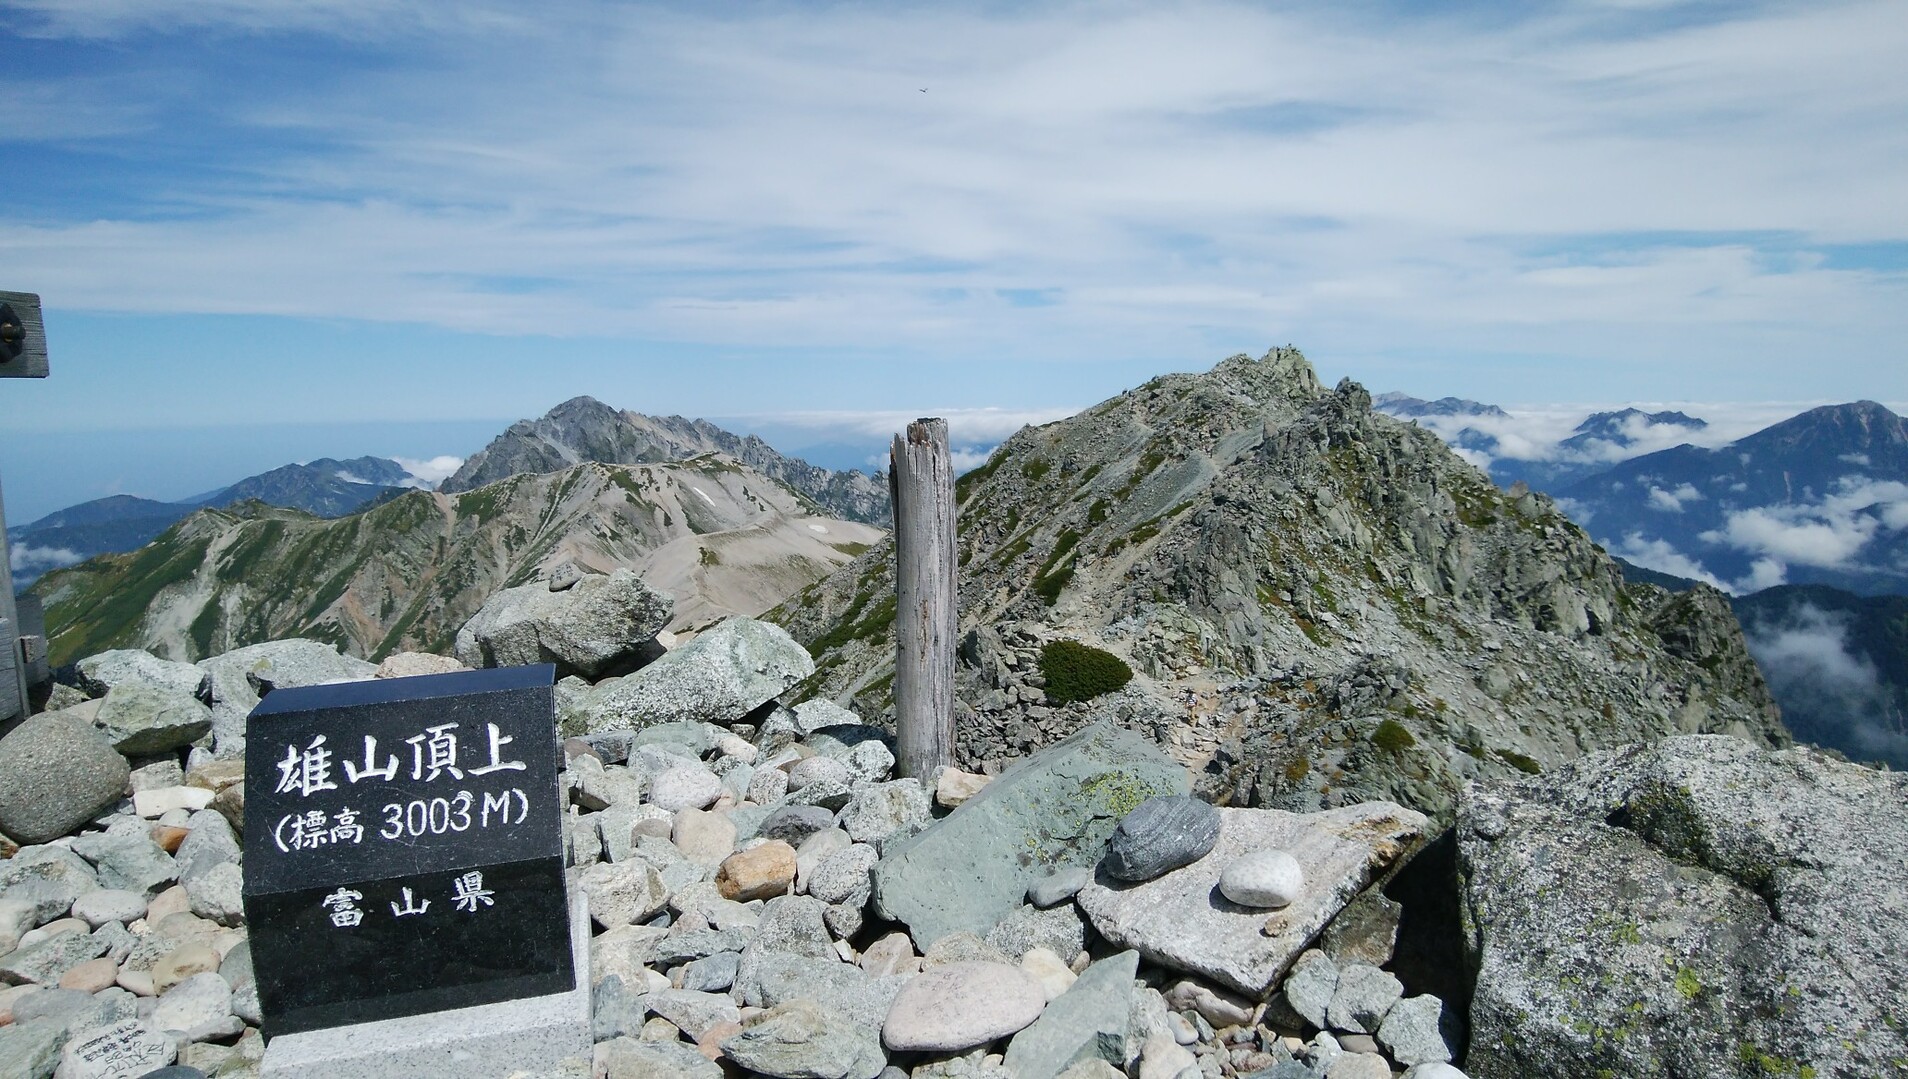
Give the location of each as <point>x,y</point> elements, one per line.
<point>768,899</point>
<point>585,429</point>
<point>408,572</point>
<point>1322,605</point>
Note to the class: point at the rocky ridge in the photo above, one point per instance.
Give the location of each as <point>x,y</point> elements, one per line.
<point>585,429</point>
<point>407,573</point>
<point>1324,605</point>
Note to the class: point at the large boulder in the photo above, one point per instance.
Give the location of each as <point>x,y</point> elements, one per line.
<point>143,720</point>
<point>1054,809</point>
<point>586,629</point>
<point>1694,906</point>
<point>240,677</point>
<point>719,677</point>
<point>56,773</point>
<point>100,673</point>
<point>1182,921</point>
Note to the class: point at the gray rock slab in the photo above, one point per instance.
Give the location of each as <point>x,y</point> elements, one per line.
<point>75,1011</point>
<point>631,1058</point>
<point>721,676</point>
<point>196,1003</point>
<point>239,677</point>
<point>1310,986</point>
<point>141,720</point>
<point>48,878</point>
<point>841,987</point>
<point>125,857</point>
<point>879,810</point>
<point>209,843</point>
<point>1059,929</point>
<point>693,1011</point>
<point>1160,835</point>
<point>598,622</point>
<point>96,908</point>
<point>712,973</point>
<point>1699,899</point>
<point>1363,996</point>
<point>1054,809</point>
<point>800,1039</point>
<point>56,773</point>
<point>49,960</point>
<point>1181,921</point>
<point>1087,1022</point>
<point>30,1051</point>
<point>102,672</point>
<point>616,1009</point>
<point>1417,1031</point>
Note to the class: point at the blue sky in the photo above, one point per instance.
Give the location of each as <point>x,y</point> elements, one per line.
<point>248,214</point>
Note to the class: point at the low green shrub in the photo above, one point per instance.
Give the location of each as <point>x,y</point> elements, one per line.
<point>1079,672</point>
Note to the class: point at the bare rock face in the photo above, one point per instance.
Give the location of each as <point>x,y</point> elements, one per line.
<point>584,629</point>
<point>1695,906</point>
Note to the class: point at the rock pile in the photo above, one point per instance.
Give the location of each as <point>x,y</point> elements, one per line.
<point>767,897</point>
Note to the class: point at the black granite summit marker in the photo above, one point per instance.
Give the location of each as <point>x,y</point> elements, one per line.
<point>403,847</point>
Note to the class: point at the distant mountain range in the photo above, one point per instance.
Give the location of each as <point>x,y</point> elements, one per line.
<point>325,488</point>
<point>1482,431</point>
<point>1819,498</point>
<point>578,430</point>
<point>408,571</point>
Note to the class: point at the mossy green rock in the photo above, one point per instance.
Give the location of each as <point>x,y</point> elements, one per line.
<point>1056,808</point>
<point>1697,906</point>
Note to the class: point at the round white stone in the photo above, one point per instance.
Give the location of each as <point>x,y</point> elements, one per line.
<point>1264,878</point>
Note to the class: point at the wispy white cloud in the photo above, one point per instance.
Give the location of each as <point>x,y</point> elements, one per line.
<point>1829,532</point>
<point>1076,182</point>
<point>427,474</point>
<point>1662,556</point>
<point>29,560</point>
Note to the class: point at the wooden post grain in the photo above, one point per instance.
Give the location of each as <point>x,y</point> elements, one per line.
<point>927,619</point>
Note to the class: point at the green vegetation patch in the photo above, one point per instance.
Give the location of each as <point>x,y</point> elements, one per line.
<point>1393,737</point>
<point>1080,672</point>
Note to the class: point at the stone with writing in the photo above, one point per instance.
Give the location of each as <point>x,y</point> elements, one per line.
<point>403,847</point>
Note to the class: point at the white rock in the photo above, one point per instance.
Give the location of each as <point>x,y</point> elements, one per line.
<point>1049,970</point>
<point>961,1005</point>
<point>1264,878</point>
<point>1164,1058</point>
<point>685,786</point>
<point>956,786</point>
<point>96,908</point>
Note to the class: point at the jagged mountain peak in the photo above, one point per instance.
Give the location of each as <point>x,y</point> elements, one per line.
<point>585,429</point>
<point>1308,588</point>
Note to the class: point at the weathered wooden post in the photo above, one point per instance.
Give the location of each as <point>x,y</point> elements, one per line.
<point>22,355</point>
<point>927,618</point>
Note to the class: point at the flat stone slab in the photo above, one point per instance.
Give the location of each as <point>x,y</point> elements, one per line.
<point>1181,920</point>
<point>1054,809</point>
